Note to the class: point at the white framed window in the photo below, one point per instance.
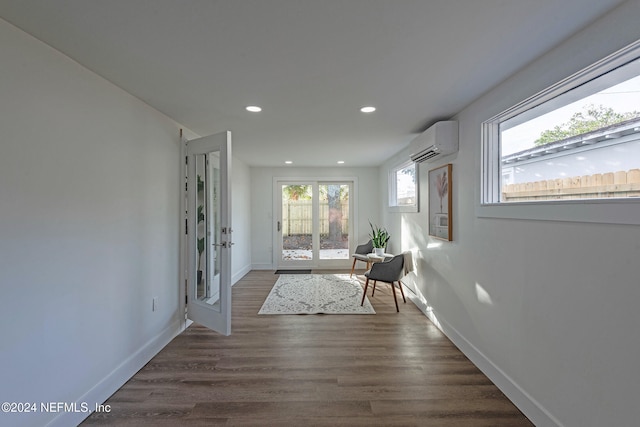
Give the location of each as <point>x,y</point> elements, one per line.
<point>403,188</point>
<point>576,143</point>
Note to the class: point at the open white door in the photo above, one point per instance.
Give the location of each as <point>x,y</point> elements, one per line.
<point>209,231</point>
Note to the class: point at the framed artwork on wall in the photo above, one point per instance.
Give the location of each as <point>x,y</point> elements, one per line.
<point>440,208</point>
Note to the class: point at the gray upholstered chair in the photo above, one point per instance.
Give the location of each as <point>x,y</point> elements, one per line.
<point>361,254</point>
<point>391,270</point>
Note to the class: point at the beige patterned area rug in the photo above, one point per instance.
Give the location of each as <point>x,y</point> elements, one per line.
<point>316,294</point>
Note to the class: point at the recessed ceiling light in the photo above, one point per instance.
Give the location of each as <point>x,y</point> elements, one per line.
<point>254,108</point>
<point>288,162</point>
<point>368,109</point>
<point>340,162</point>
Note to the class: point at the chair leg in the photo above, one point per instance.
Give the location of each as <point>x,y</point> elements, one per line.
<point>374,288</point>
<point>353,267</point>
<point>400,286</point>
<point>393,287</point>
<point>364,294</point>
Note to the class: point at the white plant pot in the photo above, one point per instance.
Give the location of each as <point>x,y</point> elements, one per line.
<point>379,251</point>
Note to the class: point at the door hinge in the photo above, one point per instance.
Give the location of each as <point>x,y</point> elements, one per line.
<point>186,226</point>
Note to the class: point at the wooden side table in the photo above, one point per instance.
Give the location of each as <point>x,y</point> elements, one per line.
<point>373,258</point>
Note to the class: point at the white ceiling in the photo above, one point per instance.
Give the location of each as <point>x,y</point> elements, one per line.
<point>311,64</point>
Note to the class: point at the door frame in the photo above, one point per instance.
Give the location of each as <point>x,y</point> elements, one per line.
<point>277,216</point>
<point>183,273</point>
<point>279,263</point>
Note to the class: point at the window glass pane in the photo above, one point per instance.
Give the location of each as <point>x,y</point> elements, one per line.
<point>402,191</point>
<point>584,144</point>
<point>406,186</point>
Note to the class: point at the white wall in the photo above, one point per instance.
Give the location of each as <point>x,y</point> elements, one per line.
<point>241,221</point>
<point>89,231</point>
<point>549,310</point>
<point>263,223</point>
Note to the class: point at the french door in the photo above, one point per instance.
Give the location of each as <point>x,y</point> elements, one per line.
<point>209,231</point>
<point>314,223</point>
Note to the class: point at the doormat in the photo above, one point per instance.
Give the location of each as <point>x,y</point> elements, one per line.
<point>293,271</point>
<point>316,294</point>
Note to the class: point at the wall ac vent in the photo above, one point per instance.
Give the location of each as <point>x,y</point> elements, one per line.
<point>439,140</point>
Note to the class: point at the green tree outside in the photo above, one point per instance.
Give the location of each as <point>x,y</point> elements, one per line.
<point>592,118</point>
<point>296,192</point>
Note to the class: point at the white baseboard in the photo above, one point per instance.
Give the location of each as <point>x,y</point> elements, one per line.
<point>262,267</point>
<point>240,274</point>
<point>530,407</point>
<point>116,379</point>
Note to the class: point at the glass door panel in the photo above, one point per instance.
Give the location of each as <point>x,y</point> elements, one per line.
<point>297,222</point>
<point>208,234</point>
<point>334,221</point>
<point>313,223</point>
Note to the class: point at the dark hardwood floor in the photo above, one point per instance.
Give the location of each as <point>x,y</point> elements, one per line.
<point>388,369</point>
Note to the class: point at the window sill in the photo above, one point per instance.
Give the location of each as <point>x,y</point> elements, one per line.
<point>612,211</point>
<point>403,209</point>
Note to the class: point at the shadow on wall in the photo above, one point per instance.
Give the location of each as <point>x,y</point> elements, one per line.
<point>431,291</point>
<point>435,296</point>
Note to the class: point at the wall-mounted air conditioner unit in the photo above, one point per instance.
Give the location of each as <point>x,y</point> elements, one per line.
<point>439,140</point>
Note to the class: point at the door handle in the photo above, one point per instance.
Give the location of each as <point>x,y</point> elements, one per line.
<point>279,228</point>
<point>224,244</point>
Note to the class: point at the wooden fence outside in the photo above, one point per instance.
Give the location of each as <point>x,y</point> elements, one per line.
<point>612,184</point>
<point>297,217</point>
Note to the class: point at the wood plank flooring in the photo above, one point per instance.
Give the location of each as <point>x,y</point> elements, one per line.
<point>388,369</point>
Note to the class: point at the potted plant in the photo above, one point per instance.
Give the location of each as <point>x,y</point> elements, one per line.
<point>379,237</point>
